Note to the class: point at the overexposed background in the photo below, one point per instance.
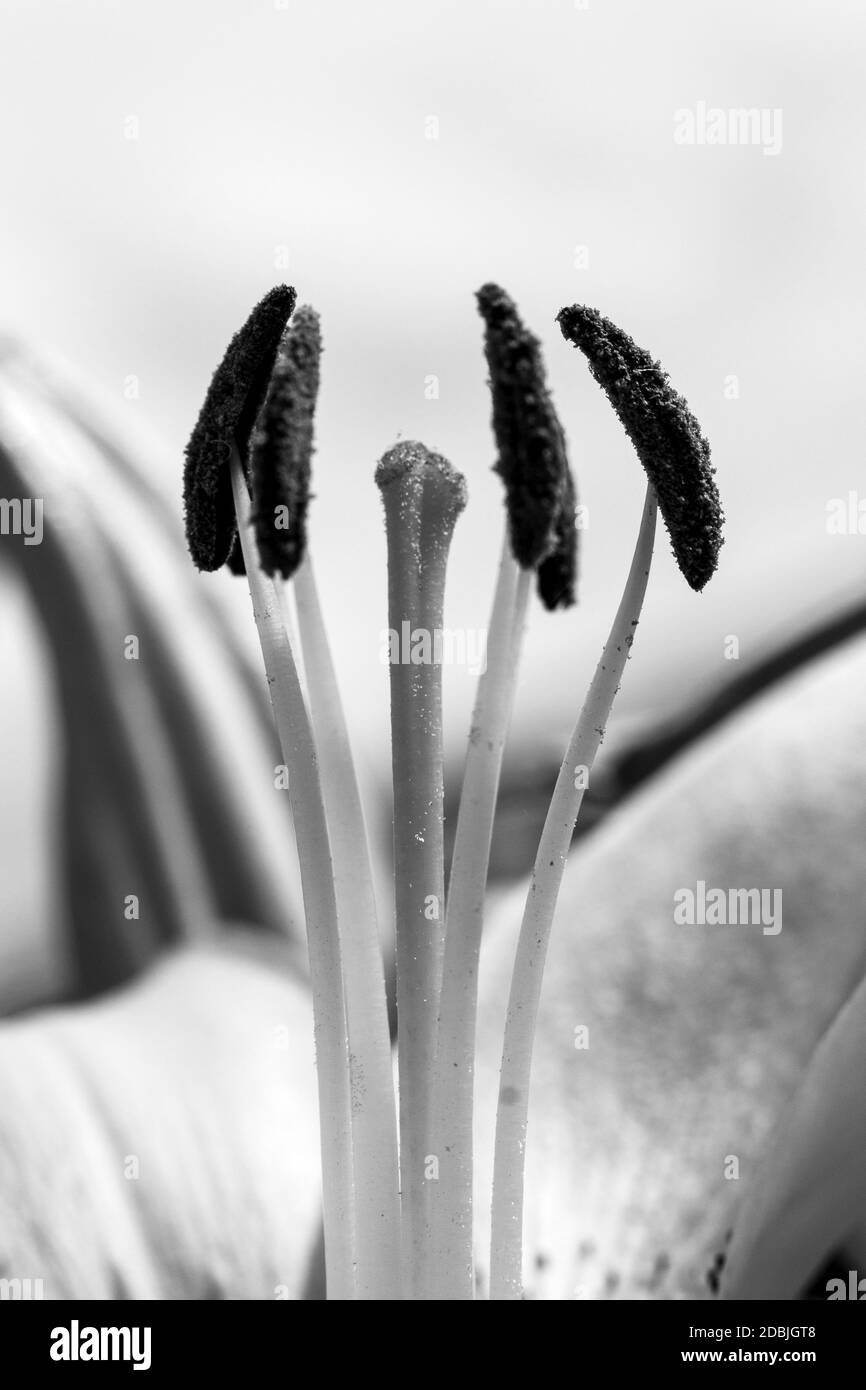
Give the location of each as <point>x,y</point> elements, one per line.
<point>165,163</point>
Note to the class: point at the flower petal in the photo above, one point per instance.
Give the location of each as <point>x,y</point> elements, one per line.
<point>698,1034</point>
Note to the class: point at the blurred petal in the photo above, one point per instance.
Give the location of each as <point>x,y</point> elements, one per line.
<point>168,780</point>
<point>162,1142</point>
<point>812,1183</point>
<point>697,1034</point>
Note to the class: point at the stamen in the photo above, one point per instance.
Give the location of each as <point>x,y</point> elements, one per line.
<point>295,733</point>
<point>506,1259</point>
<point>282,447</point>
<point>532,459</point>
<point>280,467</point>
<point>226,420</point>
<point>557,573</point>
<point>664,432</point>
<point>534,465</point>
<point>681,485</point>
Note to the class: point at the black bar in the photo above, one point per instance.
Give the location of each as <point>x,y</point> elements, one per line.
<point>222,1339</point>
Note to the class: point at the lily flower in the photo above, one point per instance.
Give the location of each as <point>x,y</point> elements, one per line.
<point>661,1053</point>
